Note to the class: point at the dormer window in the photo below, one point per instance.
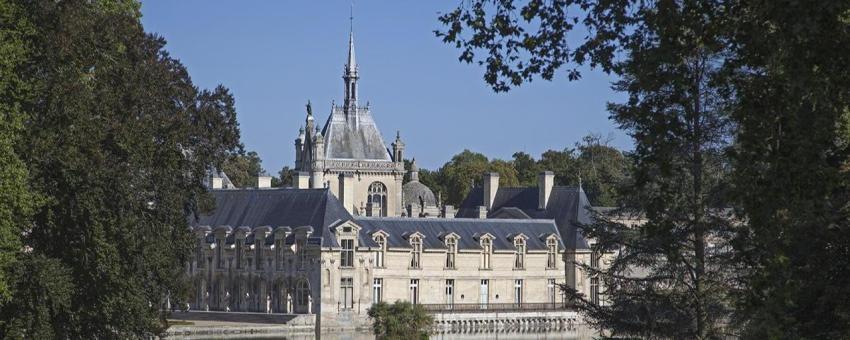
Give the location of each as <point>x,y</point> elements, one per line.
<point>486,252</point>
<point>300,245</point>
<point>416,252</point>
<point>239,253</point>
<point>451,252</point>
<point>258,251</point>
<point>519,262</point>
<point>347,253</point>
<point>381,240</point>
<point>552,253</point>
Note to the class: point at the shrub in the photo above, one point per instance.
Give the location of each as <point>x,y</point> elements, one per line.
<point>400,320</point>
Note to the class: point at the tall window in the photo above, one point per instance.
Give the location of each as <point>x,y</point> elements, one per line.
<point>382,248</point>
<point>594,280</point>
<point>550,290</point>
<point>300,246</point>
<point>416,252</point>
<point>378,197</point>
<point>258,251</point>
<point>552,255</point>
<point>486,251</point>
<point>484,293</point>
<point>451,245</point>
<point>519,243</point>
<point>346,287</point>
<point>302,293</point>
<point>199,255</point>
<point>239,253</point>
<point>278,253</point>
<point>347,253</point>
<point>450,292</point>
<point>414,291</point>
<point>219,259</point>
<point>377,290</point>
<point>518,291</point>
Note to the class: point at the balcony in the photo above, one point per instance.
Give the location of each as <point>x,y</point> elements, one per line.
<point>439,308</point>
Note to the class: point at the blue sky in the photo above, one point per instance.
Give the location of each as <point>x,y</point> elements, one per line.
<point>275,55</point>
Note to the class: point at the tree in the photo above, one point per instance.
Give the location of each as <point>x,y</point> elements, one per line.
<point>401,320</point>
<point>285,177</point>
<point>458,175</point>
<point>562,163</point>
<point>117,141</point>
<point>791,168</point>
<point>603,170</point>
<point>16,198</point>
<point>669,58</point>
<point>526,168</point>
<point>243,168</point>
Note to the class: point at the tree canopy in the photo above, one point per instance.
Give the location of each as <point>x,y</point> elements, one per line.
<point>109,132</point>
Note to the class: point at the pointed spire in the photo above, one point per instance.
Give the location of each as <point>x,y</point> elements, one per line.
<point>579,181</point>
<point>351,66</point>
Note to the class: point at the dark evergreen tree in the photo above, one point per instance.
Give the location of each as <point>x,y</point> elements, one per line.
<point>792,167</point>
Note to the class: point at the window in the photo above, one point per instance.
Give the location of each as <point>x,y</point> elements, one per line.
<point>219,260</point>
<point>239,253</point>
<point>346,287</point>
<point>416,253</point>
<point>377,290</point>
<point>300,246</point>
<point>486,250</point>
<point>199,255</point>
<point>378,198</point>
<point>550,290</point>
<point>278,254</point>
<point>450,292</point>
<point>484,293</point>
<point>414,291</point>
<point>258,251</point>
<point>451,245</point>
<point>347,253</point>
<point>594,279</point>
<point>519,243</point>
<point>518,291</point>
<point>552,258</point>
<point>302,293</point>
<point>594,290</point>
<point>382,247</point>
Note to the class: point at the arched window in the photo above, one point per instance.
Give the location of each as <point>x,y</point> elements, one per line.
<point>378,197</point>
<point>552,252</point>
<point>486,251</point>
<point>416,252</point>
<point>451,252</point>
<point>519,243</point>
<point>382,248</point>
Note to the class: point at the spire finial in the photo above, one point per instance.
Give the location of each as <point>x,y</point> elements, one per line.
<point>579,181</point>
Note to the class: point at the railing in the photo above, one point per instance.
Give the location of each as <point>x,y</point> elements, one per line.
<point>493,307</point>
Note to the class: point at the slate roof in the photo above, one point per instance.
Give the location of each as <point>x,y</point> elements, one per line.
<point>353,137</point>
<point>276,208</point>
<point>568,206</point>
<point>469,230</point>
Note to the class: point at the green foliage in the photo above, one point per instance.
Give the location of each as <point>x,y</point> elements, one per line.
<point>42,305</point>
<point>243,168</point>
<point>16,199</point>
<point>764,82</point>
<point>791,168</point>
<point>117,142</point>
<point>400,320</point>
<point>285,177</point>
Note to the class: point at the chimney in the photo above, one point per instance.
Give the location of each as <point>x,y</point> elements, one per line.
<point>217,182</point>
<point>545,181</point>
<point>264,182</point>
<point>346,191</point>
<point>302,180</point>
<point>491,186</point>
<point>448,211</point>
<point>482,212</point>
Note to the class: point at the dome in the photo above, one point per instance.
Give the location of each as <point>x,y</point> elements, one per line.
<point>415,192</point>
